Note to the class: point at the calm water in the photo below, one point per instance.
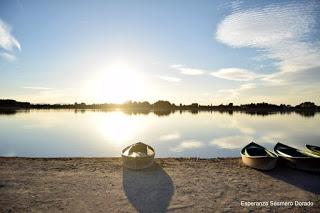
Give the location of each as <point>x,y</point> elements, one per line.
<point>48,133</point>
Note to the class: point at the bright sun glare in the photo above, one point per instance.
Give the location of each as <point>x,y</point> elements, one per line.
<point>117,82</point>
<point>117,128</point>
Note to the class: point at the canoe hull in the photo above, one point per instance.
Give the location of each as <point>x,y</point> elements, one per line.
<point>138,156</point>
<point>306,164</point>
<point>263,163</point>
<point>297,159</point>
<point>137,163</point>
<point>261,160</point>
<point>314,150</point>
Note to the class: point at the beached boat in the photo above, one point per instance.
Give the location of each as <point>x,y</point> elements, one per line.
<point>138,156</point>
<point>258,157</point>
<point>314,150</point>
<point>298,159</point>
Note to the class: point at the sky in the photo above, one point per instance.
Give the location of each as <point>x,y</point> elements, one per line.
<point>210,52</point>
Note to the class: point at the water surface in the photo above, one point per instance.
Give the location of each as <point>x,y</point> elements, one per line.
<point>69,133</point>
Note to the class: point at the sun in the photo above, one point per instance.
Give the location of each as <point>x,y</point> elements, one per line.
<point>117,82</point>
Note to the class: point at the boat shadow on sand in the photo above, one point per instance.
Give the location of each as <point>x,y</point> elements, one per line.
<point>308,181</point>
<point>148,190</point>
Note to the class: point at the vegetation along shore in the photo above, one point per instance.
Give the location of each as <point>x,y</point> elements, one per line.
<point>165,107</point>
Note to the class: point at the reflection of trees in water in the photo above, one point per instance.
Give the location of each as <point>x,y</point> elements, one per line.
<point>12,111</point>
<point>136,111</point>
<point>165,112</point>
<point>129,111</point>
<point>8,112</point>
<point>306,113</point>
<point>79,111</point>
<point>194,111</point>
<point>261,113</point>
<point>302,113</point>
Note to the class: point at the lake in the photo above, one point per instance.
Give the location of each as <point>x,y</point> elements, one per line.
<point>74,133</point>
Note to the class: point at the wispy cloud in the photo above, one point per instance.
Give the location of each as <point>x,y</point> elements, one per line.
<point>187,70</point>
<point>185,145</point>
<point>236,74</point>
<point>170,136</point>
<point>38,88</point>
<point>175,66</point>
<point>286,34</point>
<point>7,56</point>
<point>232,93</point>
<point>191,71</point>
<point>38,94</point>
<point>281,31</point>
<point>272,136</point>
<point>8,42</point>
<point>170,79</point>
<point>232,142</point>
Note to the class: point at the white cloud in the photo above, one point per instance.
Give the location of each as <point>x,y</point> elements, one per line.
<point>38,94</point>
<point>8,56</point>
<point>170,79</point>
<point>8,42</point>
<point>38,88</point>
<point>174,66</point>
<point>232,93</point>
<point>185,145</point>
<point>275,78</point>
<point>187,70</point>
<point>170,136</point>
<point>190,71</point>
<point>273,136</point>
<point>281,31</point>
<point>265,27</point>
<point>232,142</point>
<point>236,74</point>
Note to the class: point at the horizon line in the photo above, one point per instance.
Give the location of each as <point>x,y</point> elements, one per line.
<point>151,103</point>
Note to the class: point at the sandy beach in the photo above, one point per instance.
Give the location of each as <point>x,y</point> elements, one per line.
<point>171,184</point>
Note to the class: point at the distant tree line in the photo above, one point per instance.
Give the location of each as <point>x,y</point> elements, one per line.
<point>8,103</point>
<point>161,105</point>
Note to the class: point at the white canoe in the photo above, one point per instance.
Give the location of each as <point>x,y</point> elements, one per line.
<point>138,156</point>
<point>258,157</point>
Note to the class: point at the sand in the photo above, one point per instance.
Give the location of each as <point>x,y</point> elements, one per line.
<point>171,184</point>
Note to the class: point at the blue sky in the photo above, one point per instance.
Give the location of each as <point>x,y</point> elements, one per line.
<point>182,51</point>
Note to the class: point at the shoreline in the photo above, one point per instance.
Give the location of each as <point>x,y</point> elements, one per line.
<point>171,184</point>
